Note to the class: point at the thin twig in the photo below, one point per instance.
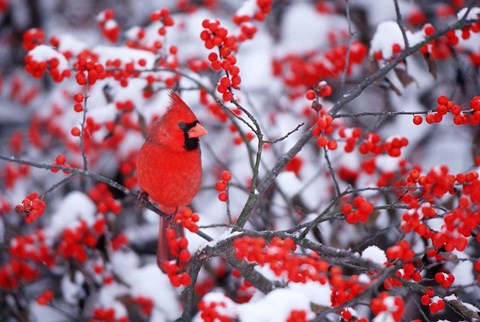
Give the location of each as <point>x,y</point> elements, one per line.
<point>343,78</point>
<point>82,127</point>
<point>400,24</point>
<point>286,135</point>
<point>362,114</point>
<point>270,177</point>
<point>58,184</point>
<point>332,172</point>
<point>378,282</point>
<point>425,317</point>
<point>86,173</point>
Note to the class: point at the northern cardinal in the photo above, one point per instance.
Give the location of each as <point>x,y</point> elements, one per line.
<point>169,166</point>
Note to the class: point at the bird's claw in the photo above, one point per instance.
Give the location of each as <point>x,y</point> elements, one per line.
<point>142,197</point>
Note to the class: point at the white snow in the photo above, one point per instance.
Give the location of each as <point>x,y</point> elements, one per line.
<point>304,29</point>
<point>45,313</point>
<point>283,300</point>
<point>472,14</point>
<point>124,263</point>
<point>70,43</point>
<point>108,298</point>
<point>227,307</point>
<point>74,206</point>
<point>289,183</point>
<point>389,33</point>
<point>125,55</point>
<point>463,273</point>
<point>384,317</point>
<point>44,53</point>
<point>314,291</point>
<point>72,291</point>
<point>149,281</point>
<point>375,254</point>
<point>247,8</point>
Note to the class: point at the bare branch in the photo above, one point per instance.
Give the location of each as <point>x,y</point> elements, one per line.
<point>332,172</point>
<point>58,184</point>
<point>343,78</point>
<point>400,24</point>
<point>286,135</point>
<point>269,178</point>
<point>86,173</point>
<point>82,127</point>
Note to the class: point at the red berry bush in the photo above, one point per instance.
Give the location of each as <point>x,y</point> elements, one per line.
<point>340,171</point>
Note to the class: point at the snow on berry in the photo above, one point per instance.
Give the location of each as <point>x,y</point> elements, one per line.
<point>43,58</point>
<point>375,254</point>
<point>387,35</point>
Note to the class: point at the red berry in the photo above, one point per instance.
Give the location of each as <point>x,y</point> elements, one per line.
<point>223,196</point>
<point>429,29</point>
<point>310,94</point>
<point>221,185</point>
<point>75,131</point>
<point>60,159</point>
<point>78,107</point>
<point>417,120</point>
<point>442,100</point>
<point>226,176</point>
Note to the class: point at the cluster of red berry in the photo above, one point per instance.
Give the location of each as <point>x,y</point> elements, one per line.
<point>303,71</point>
<point>297,316</point>
<point>32,207</point>
<point>406,273</point>
<point>358,211</point>
<point>119,241</point>
<point>175,269</point>
<point>37,68</point>
<point>393,305</point>
<point>435,303</point>
<point>349,315</point>
<point>400,251</point>
<point>45,298</point>
<point>127,169</point>
<point>33,37</point>
<point>103,198</point>
<point>107,24</point>
<point>263,8</point>
<point>210,311</point>
<point>459,116</point>
<point>145,304</point>
<point>324,130</point>
<point>321,90</point>
<point>222,185</point>
<point>214,35</point>
<point>76,240</point>
<point>25,252</point>
<point>4,206</point>
<point>78,98</point>
<point>213,106</point>
<point>188,219</point>
<point>165,18</point>
<point>107,314</point>
<point>439,48</point>
<point>60,160</point>
<point>21,91</point>
<point>88,69</point>
<point>126,106</point>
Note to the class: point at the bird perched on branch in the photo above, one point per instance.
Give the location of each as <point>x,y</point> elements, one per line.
<point>169,167</point>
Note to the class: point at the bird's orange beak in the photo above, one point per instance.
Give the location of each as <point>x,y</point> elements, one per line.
<point>197,131</point>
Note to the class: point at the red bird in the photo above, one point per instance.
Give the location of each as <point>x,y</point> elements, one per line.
<point>169,167</point>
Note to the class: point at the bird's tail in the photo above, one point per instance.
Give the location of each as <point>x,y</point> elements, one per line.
<point>163,249</point>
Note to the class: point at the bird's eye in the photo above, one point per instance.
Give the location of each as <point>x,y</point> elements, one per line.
<point>182,125</point>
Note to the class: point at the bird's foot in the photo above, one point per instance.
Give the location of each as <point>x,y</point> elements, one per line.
<point>141,197</point>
